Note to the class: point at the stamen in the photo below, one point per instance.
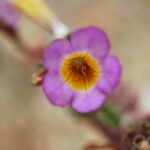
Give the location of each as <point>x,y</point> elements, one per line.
<point>80,71</point>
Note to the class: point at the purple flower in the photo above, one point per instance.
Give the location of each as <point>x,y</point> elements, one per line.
<point>8,14</point>
<point>81,72</point>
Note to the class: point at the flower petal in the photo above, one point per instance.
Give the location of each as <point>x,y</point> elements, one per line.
<point>91,39</point>
<point>112,71</point>
<point>55,52</point>
<point>57,92</point>
<point>8,14</point>
<point>88,101</point>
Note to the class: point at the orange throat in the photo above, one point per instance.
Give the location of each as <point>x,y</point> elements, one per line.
<point>80,71</point>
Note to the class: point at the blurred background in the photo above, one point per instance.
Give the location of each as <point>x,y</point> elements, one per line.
<point>27,120</point>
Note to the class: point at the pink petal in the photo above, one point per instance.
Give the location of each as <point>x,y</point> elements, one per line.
<point>88,101</point>
<point>57,92</point>
<point>111,74</point>
<point>91,39</point>
<point>55,52</point>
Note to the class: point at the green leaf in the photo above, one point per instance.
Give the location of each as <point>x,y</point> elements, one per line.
<point>109,115</point>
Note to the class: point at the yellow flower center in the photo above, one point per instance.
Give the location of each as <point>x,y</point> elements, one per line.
<point>80,71</point>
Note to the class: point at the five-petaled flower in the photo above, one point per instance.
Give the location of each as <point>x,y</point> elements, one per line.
<point>80,70</point>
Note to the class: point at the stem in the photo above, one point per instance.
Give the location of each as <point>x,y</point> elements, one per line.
<point>114,135</point>
<point>15,37</point>
<point>12,33</point>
